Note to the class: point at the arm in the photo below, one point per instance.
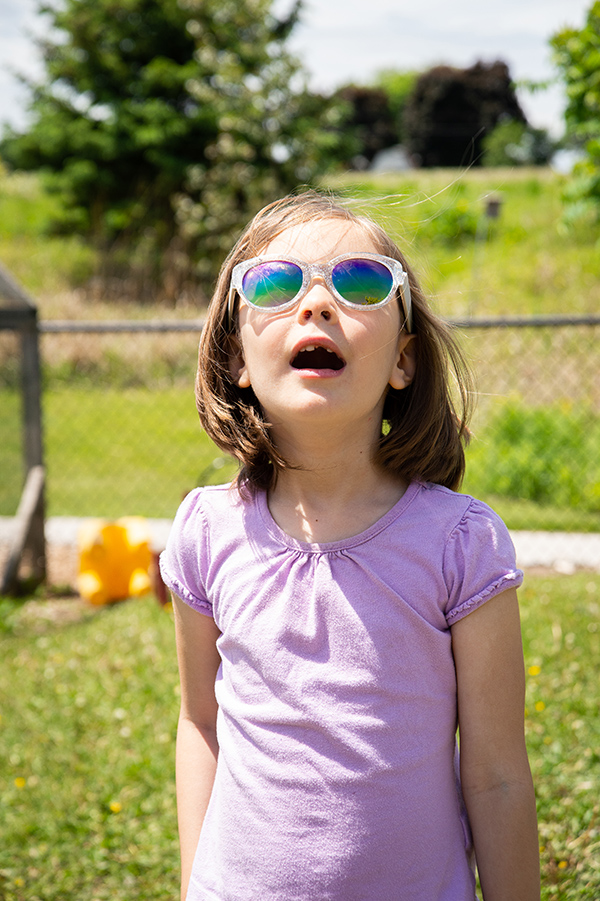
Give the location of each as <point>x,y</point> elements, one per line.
<point>197,747</point>
<point>495,774</point>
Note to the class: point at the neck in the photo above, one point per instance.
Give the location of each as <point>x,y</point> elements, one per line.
<point>337,492</point>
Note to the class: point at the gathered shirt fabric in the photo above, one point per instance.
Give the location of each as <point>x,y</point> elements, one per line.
<point>337,776</point>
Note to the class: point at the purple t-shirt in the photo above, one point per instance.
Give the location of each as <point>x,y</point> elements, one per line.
<point>337,777</point>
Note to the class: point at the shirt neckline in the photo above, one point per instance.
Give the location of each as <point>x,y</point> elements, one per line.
<point>382,523</point>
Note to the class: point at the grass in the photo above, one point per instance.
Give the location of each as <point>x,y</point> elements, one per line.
<point>526,262</point>
<point>87,738</point>
<point>89,711</point>
<point>561,626</point>
<point>118,452</point>
<point>43,263</point>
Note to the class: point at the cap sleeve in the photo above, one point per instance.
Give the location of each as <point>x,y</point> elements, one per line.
<point>183,561</point>
<point>479,561</point>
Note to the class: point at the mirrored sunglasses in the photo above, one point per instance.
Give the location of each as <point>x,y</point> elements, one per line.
<point>365,281</point>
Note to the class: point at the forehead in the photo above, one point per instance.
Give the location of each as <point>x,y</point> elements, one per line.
<point>320,240</point>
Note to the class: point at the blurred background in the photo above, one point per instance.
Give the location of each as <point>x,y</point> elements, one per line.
<point>139,138</point>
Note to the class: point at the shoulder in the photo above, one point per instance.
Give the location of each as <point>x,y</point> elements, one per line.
<point>478,557</point>
<point>452,512</point>
<point>206,518</point>
<point>203,506</point>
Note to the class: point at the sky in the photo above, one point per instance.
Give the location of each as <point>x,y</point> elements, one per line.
<point>342,41</point>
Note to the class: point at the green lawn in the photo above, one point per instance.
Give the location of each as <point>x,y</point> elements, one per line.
<point>88,717</point>
<point>113,452</point>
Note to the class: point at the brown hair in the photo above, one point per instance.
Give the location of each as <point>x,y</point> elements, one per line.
<point>422,433</point>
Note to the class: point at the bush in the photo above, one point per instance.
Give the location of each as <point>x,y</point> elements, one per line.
<point>453,223</point>
<point>544,454</point>
<point>515,144</point>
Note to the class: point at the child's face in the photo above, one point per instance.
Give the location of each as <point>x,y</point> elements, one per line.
<point>321,362</point>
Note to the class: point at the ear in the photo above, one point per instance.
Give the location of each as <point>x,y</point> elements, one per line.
<point>237,365</point>
<point>403,371</point>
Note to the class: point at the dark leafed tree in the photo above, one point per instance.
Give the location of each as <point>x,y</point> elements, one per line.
<point>164,124</point>
<point>451,111</point>
<point>368,123</point>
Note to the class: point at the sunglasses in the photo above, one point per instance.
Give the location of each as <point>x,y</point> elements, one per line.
<point>364,281</point>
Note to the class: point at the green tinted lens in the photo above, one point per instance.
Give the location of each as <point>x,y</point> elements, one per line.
<point>272,283</point>
<point>362,282</point>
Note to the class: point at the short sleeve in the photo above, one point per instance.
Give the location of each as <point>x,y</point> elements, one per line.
<point>183,561</point>
<point>479,561</point>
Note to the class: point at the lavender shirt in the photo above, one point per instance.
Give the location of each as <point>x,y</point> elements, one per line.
<point>337,774</point>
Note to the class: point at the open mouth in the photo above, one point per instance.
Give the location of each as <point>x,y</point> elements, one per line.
<point>315,357</point>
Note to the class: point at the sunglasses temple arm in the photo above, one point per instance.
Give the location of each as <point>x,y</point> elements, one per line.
<point>406,298</point>
<point>231,304</point>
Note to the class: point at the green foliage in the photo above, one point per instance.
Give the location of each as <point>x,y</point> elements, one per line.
<point>398,86</point>
<point>367,124</point>
<point>452,223</point>
<point>163,125</point>
<point>514,143</point>
<point>577,55</point>
<point>544,454</point>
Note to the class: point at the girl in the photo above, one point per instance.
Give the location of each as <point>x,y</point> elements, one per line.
<point>339,609</point>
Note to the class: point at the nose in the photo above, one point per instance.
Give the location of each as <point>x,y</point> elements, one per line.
<point>317,303</point>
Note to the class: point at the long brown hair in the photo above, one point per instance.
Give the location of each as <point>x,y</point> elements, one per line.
<point>424,425</point>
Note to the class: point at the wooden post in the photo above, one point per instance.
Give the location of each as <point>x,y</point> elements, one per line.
<point>33,439</point>
<point>20,314</point>
<point>26,522</point>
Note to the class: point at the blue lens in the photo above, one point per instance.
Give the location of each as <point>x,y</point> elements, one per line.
<point>272,283</point>
<point>362,282</point>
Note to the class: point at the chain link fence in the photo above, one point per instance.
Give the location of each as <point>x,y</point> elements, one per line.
<point>121,434</point>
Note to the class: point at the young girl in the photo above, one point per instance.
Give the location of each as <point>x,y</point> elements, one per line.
<point>339,609</point>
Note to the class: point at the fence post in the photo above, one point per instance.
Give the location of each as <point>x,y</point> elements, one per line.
<point>33,439</point>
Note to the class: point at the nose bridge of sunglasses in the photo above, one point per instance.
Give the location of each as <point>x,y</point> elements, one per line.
<point>317,276</point>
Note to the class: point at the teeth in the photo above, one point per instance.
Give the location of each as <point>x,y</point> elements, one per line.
<point>310,347</point>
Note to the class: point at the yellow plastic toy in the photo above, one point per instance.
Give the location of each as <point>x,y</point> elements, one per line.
<point>115,559</point>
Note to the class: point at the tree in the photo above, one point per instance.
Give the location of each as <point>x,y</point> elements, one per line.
<point>398,86</point>
<point>164,124</point>
<point>367,123</point>
<point>451,111</point>
<point>577,55</point>
<point>517,144</point>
